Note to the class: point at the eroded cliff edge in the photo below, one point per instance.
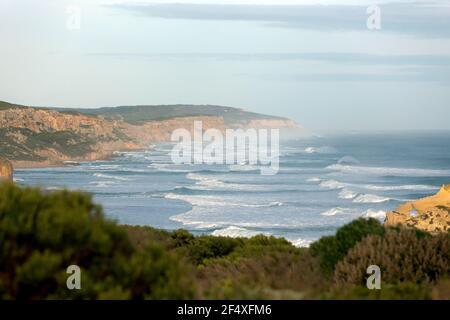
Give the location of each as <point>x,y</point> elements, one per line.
<point>430,214</point>
<point>32,137</point>
<point>6,170</point>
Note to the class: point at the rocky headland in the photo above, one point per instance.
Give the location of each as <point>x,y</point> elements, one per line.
<point>430,214</point>
<point>39,137</point>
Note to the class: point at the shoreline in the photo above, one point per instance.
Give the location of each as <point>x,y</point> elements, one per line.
<point>26,164</point>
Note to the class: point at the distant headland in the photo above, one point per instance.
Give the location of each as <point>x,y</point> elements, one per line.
<point>43,136</point>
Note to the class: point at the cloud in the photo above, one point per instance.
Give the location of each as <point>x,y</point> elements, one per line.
<point>430,19</point>
<point>370,68</point>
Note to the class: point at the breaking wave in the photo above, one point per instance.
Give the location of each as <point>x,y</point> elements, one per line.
<point>334,184</point>
<point>109,176</point>
<point>320,150</point>
<point>212,201</point>
<point>335,211</point>
<point>236,232</point>
<point>388,171</point>
<point>348,194</point>
<point>380,214</point>
<point>370,198</point>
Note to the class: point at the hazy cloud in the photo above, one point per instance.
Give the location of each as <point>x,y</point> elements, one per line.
<point>430,19</point>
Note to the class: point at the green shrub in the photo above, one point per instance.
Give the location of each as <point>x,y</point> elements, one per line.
<point>41,234</point>
<point>330,250</point>
<point>181,237</point>
<point>404,255</point>
<point>275,274</point>
<point>201,249</point>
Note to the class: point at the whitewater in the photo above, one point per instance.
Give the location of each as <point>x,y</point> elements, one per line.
<point>323,183</point>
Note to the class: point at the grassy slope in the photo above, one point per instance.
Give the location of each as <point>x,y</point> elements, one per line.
<point>136,114</point>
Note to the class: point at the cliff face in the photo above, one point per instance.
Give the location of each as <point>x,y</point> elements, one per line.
<point>430,214</point>
<point>6,169</point>
<point>42,137</point>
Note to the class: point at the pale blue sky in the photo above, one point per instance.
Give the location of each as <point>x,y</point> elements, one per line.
<point>314,61</point>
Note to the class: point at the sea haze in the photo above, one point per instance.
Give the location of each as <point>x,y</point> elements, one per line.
<point>323,183</point>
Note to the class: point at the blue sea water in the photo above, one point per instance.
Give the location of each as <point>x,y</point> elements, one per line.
<point>323,183</point>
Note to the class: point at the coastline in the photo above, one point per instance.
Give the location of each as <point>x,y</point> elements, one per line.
<point>26,164</point>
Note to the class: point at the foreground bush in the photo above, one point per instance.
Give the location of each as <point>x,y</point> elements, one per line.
<point>404,255</point>
<point>41,234</point>
<point>332,249</point>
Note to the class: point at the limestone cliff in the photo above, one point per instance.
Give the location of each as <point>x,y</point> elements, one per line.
<point>430,214</point>
<point>32,136</point>
<point>6,169</point>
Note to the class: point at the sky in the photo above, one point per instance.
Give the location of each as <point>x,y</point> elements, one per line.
<point>314,61</point>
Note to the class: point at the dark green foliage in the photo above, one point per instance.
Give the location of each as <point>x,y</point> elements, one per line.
<point>330,250</point>
<point>41,234</point>
<point>138,114</point>
<point>6,105</point>
<point>203,248</point>
<point>182,237</point>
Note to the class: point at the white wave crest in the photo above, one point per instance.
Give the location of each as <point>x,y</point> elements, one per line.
<point>333,184</point>
<point>347,194</point>
<point>100,167</point>
<point>213,183</point>
<point>417,172</point>
<point>109,176</point>
<point>102,184</point>
<point>402,187</point>
<point>166,167</point>
<point>236,232</point>
<point>348,160</point>
<point>334,211</point>
<point>300,243</point>
<point>320,150</point>
<point>53,188</point>
<point>211,201</point>
<point>370,198</point>
<point>375,214</point>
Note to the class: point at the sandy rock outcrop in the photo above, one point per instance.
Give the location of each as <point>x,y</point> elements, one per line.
<point>6,170</point>
<point>430,214</point>
<point>161,130</point>
<point>44,120</point>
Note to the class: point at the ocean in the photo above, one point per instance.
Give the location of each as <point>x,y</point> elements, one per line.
<point>324,182</point>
